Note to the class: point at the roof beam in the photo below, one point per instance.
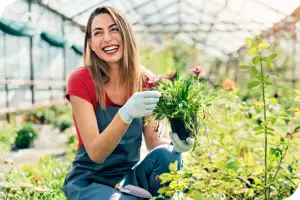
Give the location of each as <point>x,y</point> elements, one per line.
<point>163,30</point>
<point>87,9</point>
<point>141,21</point>
<point>39,2</point>
<point>196,41</point>
<point>236,28</point>
<point>201,23</point>
<point>215,16</point>
<point>270,8</point>
<point>163,8</point>
<point>142,4</point>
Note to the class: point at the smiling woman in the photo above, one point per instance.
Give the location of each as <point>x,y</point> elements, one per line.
<point>109,107</point>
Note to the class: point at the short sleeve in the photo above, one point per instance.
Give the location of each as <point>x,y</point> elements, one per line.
<point>78,86</point>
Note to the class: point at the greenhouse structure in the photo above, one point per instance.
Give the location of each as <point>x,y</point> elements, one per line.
<point>228,69</point>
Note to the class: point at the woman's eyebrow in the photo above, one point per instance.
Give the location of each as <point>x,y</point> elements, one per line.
<point>98,28</point>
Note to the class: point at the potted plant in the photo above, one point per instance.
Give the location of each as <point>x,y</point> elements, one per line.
<point>182,99</point>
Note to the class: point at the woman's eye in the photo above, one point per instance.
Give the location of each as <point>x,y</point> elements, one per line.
<point>114,29</point>
<point>97,33</point>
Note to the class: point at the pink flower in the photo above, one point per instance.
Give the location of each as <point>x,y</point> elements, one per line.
<point>156,79</point>
<point>197,70</point>
<point>171,75</point>
<point>151,82</point>
<point>228,84</point>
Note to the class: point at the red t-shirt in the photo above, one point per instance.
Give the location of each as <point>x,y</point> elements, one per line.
<point>80,83</point>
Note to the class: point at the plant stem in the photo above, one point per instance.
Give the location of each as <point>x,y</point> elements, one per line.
<point>266,134</point>
<point>210,154</point>
<point>280,162</point>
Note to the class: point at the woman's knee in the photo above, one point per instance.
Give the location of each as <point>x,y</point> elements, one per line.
<point>166,154</point>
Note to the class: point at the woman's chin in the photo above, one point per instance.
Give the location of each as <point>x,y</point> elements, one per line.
<point>113,61</point>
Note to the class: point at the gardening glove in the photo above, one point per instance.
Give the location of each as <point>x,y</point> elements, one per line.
<point>180,145</point>
<point>139,105</point>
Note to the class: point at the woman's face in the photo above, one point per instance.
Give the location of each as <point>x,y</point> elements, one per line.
<point>106,40</point>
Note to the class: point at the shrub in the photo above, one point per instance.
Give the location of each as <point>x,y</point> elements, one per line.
<point>25,136</point>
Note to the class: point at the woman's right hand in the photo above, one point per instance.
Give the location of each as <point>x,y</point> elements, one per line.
<point>140,104</point>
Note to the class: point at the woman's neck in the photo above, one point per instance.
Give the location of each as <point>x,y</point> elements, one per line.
<point>114,73</point>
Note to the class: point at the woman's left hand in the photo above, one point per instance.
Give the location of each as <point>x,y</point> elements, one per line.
<point>180,145</point>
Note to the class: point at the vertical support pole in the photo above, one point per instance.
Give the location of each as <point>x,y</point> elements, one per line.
<point>64,59</point>
<point>236,64</point>
<point>6,79</point>
<point>294,68</point>
<point>31,59</point>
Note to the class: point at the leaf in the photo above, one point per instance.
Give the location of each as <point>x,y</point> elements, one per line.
<point>296,135</point>
<point>258,128</point>
<point>259,133</point>
<point>163,190</point>
<point>276,151</point>
<point>264,59</point>
<point>263,45</point>
<point>173,167</point>
<point>194,147</point>
<point>267,82</point>
<point>290,169</point>
<point>273,121</point>
<point>270,65</point>
<point>293,109</point>
<point>275,74</point>
<point>243,67</point>
<point>254,71</point>
<point>255,60</point>
<point>274,100</point>
<point>297,114</point>
<point>297,92</point>
<point>259,77</point>
<point>249,42</point>
<point>198,195</point>
<point>252,51</point>
<point>257,181</point>
<point>264,124</point>
<point>254,84</point>
<point>271,57</point>
<point>165,178</point>
<point>270,133</point>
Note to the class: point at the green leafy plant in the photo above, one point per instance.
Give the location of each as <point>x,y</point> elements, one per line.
<point>40,116</point>
<point>63,122</point>
<point>25,136</point>
<point>7,136</point>
<point>260,61</point>
<point>294,109</point>
<point>182,99</point>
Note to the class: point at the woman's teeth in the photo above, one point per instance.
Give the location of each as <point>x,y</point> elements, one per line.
<point>110,49</point>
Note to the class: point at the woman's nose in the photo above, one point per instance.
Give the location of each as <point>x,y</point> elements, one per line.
<point>107,37</point>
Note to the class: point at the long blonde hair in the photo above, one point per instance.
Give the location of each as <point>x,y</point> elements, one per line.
<point>130,71</point>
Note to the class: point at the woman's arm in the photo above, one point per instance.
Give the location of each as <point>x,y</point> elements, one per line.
<point>98,146</point>
<point>151,136</point>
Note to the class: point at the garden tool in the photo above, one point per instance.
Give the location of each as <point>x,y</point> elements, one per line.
<point>134,191</point>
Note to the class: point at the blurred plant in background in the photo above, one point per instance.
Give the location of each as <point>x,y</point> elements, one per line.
<point>25,137</point>
<point>228,162</point>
